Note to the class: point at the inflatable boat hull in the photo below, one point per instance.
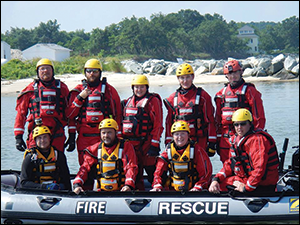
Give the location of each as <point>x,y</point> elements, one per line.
<point>19,205</point>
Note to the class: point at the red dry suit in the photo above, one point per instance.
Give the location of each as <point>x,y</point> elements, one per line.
<point>103,102</point>
<point>253,161</point>
<point>227,101</point>
<point>142,126</point>
<point>92,161</point>
<point>195,107</point>
<point>46,102</point>
<point>190,166</point>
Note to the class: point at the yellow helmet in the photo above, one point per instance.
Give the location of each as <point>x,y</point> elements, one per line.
<point>39,130</point>
<point>44,62</point>
<point>108,123</point>
<point>140,80</point>
<point>93,64</point>
<point>180,126</point>
<point>241,115</point>
<point>184,69</point>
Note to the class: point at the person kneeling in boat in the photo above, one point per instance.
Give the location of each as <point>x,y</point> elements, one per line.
<point>44,167</point>
<point>188,164</point>
<point>253,163</point>
<point>112,162</point>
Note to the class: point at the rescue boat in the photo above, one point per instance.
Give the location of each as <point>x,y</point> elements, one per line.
<point>24,205</point>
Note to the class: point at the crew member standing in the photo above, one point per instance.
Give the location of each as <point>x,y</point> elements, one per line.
<point>46,100</point>
<point>193,105</point>
<point>142,126</point>
<point>90,103</point>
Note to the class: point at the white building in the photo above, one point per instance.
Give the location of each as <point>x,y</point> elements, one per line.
<point>248,32</point>
<point>5,52</point>
<point>53,52</point>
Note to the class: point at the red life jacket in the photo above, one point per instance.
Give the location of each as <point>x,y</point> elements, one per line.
<point>96,107</point>
<point>241,161</point>
<point>47,101</point>
<point>136,120</point>
<point>231,101</point>
<point>191,114</point>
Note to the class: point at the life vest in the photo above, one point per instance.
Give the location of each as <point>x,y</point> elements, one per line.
<point>96,107</point>
<point>191,114</point>
<point>241,162</point>
<point>231,101</point>
<point>110,172</point>
<point>136,120</point>
<point>182,169</point>
<point>45,169</point>
<point>47,101</point>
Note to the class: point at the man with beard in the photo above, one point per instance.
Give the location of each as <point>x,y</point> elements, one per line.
<point>112,162</point>
<point>90,103</point>
<point>236,94</point>
<point>46,99</point>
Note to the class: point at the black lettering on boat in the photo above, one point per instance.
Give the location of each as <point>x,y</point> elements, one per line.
<point>193,208</point>
<point>90,207</point>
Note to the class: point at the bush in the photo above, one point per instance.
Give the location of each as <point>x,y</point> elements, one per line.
<point>17,69</point>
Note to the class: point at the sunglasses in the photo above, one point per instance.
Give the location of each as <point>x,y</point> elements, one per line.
<point>92,70</point>
<point>242,124</point>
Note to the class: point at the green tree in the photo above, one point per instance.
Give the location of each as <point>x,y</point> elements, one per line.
<point>47,32</point>
<point>290,33</point>
<point>19,38</point>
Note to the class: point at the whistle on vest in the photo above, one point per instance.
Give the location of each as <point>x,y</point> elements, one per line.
<point>38,121</point>
<point>198,123</point>
<point>84,83</point>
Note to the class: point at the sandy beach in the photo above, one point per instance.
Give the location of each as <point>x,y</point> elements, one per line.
<point>123,80</point>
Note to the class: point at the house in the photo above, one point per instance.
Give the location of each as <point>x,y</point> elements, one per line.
<point>248,32</point>
<point>53,52</point>
<point>5,52</point>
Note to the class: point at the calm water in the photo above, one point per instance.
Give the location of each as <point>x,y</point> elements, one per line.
<point>281,102</point>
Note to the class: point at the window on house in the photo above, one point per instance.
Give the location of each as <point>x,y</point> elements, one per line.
<point>255,48</point>
<point>251,40</point>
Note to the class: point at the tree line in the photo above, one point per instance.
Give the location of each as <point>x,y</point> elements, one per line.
<point>186,34</point>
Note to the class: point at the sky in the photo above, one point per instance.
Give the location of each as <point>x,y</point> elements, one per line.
<point>88,15</point>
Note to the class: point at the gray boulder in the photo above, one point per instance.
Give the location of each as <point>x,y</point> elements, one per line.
<point>275,67</point>
<point>289,63</point>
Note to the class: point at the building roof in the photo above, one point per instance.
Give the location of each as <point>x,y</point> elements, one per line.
<point>4,42</point>
<point>246,27</point>
<point>51,46</point>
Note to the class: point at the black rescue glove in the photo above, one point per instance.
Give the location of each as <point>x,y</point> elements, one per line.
<point>20,144</point>
<point>153,151</point>
<point>70,142</point>
<point>211,149</point>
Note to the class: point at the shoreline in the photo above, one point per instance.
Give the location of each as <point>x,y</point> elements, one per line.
<point>123,80</point>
